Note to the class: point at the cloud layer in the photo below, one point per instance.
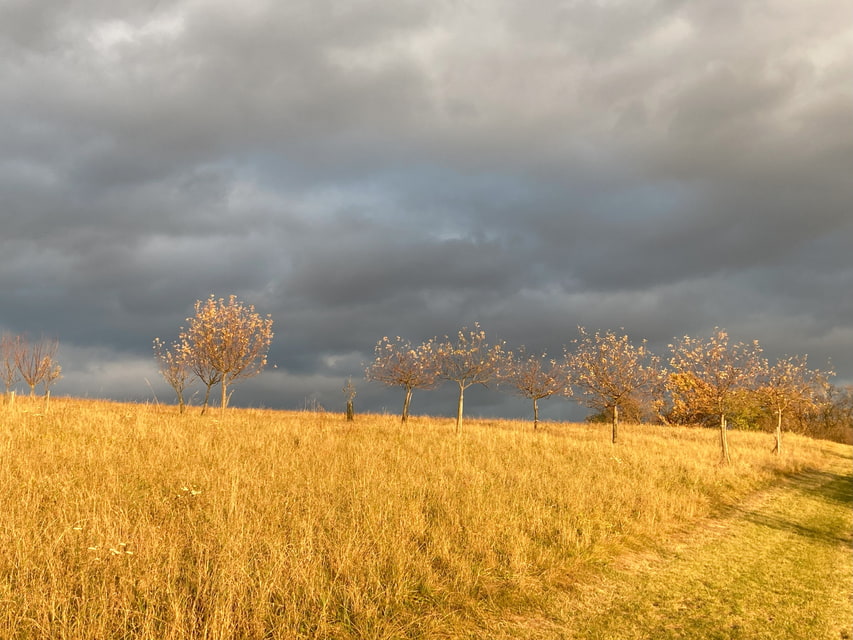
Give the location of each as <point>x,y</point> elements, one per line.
<point>360,169</point>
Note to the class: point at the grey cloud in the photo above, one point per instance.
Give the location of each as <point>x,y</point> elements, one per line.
<point>385,270</point>
<point>377,168</point>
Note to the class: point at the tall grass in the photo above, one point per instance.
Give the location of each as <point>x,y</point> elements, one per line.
<point>131,521</point>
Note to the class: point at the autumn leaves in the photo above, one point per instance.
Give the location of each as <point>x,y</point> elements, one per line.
<point>706,378</point>
<point>225,341</point>
<point>605,368</point>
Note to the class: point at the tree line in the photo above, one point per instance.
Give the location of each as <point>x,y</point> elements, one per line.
<point>708,380</point>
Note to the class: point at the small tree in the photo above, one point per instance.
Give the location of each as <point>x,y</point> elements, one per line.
<point>226,341</point>
<point>708,375</point>
<point>534,377</point>
<point>789,384</point>
<point>398,364</point>
<point>201,366</point>
<point>9,373</point>
<point>36,361</point>
<point>610,371</point>
<point>349,392</point>
<point>174,367</point>
<point>468,360</point>
<point>54,373</point>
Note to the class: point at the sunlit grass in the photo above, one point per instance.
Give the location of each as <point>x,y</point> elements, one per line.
<point>128,520</point>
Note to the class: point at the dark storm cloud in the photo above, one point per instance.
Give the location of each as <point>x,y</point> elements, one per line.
<point>360,169</point>
<point>346,277</point>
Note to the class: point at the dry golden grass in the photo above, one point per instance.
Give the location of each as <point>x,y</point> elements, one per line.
<point>131,521</point>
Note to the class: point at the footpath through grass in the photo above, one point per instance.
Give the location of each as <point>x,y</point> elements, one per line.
<point>778,566</point>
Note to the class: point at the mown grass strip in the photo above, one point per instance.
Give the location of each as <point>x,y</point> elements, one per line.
<point>778,567</point>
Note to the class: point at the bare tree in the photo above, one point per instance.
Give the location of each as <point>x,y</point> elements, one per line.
<point>174,367</point>
<point>9,346</point>
<point>610,370</point>
<point>36,362</point>
<point>535,377</point>
<point>789,384</point>
<point>468,360</point>
<point>832,416</point>
<point>708,374</point>
<point>397,364</point>
<point>226,341</point>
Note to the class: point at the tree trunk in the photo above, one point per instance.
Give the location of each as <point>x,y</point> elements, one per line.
<point>535,414</point>
<point>406,402</point>
<point>459,410</point>
<point>206,399</point>
<point>723,440</point>
<point>350,411</point>
<point>615,426</point>
<point>181,404</point>
<point>224,396</point>
<point>778,448</point>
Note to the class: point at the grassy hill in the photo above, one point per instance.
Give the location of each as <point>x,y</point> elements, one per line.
<point>131,521</point>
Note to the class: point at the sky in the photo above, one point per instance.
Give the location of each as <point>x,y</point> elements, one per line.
<point>368,168</point>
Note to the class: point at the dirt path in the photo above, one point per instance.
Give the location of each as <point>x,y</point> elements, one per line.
<point>779,566</point>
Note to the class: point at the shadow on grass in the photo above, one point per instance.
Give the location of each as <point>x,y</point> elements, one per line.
<point>828,486</point>
<point>824,486</point>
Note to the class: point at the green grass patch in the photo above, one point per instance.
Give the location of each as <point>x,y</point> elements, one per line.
<point>778,566</point>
